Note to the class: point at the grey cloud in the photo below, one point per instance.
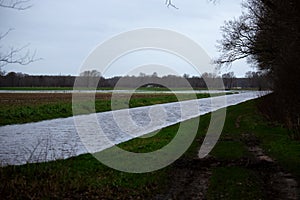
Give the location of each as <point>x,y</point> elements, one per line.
<point>69,29</point>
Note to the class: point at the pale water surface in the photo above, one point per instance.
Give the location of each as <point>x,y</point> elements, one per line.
<point>58,138</point>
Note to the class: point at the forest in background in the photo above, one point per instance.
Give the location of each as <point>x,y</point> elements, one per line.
<point>90,79</point>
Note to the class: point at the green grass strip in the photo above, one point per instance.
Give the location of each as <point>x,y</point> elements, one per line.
<point>84,177</point>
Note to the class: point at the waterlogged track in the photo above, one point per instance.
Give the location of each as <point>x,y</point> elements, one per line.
<point>58,138</point>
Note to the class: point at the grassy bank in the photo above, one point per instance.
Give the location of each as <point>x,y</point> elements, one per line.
<point>84,177</point>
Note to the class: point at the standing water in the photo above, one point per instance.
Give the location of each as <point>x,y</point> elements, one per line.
<point>58,139</point>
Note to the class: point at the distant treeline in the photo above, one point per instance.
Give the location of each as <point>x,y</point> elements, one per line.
<point>22,80</point>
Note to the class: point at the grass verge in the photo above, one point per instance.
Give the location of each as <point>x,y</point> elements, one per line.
<point>242,182</point>
<point>234,183</point>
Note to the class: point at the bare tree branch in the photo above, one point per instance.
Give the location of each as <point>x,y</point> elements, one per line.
<point>5,34</point>
<point>15,4</point>
<point>16,56</point>
<point>170,3</point>
<point>229,60</point>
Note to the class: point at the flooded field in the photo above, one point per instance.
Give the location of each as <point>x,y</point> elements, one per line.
<point>58,138</point>
<point>111,91</point>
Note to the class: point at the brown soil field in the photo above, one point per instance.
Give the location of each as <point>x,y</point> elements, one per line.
<point>42,98</point>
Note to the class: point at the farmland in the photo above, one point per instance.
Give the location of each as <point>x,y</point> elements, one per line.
<point>30,107</point>
<point>231,170</point>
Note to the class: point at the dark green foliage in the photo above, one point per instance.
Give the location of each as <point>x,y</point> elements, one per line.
<point>268,34</point>
<point>234,183</point>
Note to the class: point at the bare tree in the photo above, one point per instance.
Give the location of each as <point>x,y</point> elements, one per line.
<point>268,34</point>
<point>229,80</point>
<point>154,75</point>
<point>238,40</point>
<point>91,73</point>
<point>142,74</point>
<point>15,55</point>
<point>186,76</point>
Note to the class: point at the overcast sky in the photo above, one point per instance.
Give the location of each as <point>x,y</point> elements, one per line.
<point>64,32</point>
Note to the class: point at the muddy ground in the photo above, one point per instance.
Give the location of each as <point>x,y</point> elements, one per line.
<point>41,98</point>
<point>190,179</point>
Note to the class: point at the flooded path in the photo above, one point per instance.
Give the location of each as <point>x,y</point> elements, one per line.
<point>58,139</point>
